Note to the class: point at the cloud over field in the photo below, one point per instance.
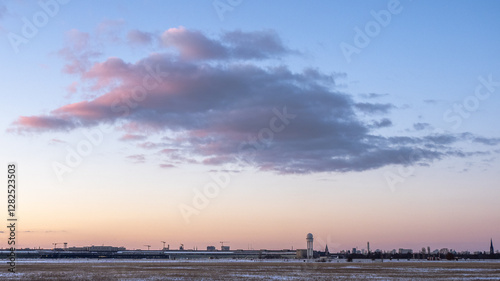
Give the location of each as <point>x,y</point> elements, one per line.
<point>208,98</point>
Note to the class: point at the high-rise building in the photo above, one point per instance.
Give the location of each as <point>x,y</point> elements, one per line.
<point>310,252</point>
<point>368,247</point>
<point>492,251</point>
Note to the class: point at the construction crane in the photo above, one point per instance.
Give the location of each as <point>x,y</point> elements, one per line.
<point>222,245</point>
<point>163,244</point>
<point>55,244</point>
<point>181,247</point>
<point>149,246</point>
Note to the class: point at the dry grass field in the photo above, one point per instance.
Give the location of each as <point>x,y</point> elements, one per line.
<point>251,270</point>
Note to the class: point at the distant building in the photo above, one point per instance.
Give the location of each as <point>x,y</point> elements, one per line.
<point>224,248</point>
<point>492,251</point>
<point>405,251</point>
<point>444,251</point>
<point>301,253</point>
<point>97,249</point>
<point>210,248</point>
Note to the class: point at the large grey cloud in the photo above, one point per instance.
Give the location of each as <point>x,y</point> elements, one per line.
<point>208,104</point>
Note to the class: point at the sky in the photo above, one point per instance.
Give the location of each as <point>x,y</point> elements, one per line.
<point>252,122</point>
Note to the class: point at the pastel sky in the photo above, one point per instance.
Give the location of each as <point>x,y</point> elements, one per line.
<point>253,122</point>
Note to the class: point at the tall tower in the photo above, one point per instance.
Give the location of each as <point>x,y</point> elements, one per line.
<point>368,246</point>
<point>309,239</point>
<point>492,251</point>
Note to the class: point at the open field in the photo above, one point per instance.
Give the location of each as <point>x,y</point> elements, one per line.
<point>251,270</point>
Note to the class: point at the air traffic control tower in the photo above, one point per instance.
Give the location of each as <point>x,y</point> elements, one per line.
<point>310,252</point>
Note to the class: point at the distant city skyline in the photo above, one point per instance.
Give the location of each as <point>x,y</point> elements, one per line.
<point>315,247</point>
<point>253,122</point>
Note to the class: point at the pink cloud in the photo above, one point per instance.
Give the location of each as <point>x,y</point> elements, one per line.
<point>107,72</point>
<point>77,40</point>
<point>72,88</point>
<point>169,150</point>
<point>138,158</point>
<point>139,37</point>
<point>110,30</point>
<point>150,145</point>
<point>167,166</point>
<point>132,137</point>
<point>83,110</point>
<point>56,141</point>
<point>284,121</point>
<point>41,123</point>
<point>192,44</point>
<point>77,52</point>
